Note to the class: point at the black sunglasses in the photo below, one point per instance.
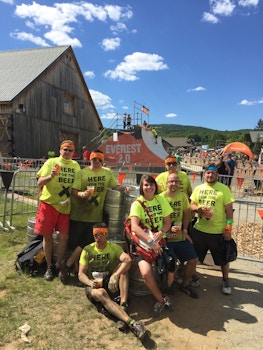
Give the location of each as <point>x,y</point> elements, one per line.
<point>169,164</point>
<point>67,150</point>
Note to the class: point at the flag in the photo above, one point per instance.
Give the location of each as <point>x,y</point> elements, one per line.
<point>145,110</point>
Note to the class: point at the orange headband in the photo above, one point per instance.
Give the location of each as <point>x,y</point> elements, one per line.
<point>170,160</point>
<point>68,144</point>
<point>97,155</point>
<point>101,230</point>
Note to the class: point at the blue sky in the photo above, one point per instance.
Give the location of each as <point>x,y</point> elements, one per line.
<point>190,62</point>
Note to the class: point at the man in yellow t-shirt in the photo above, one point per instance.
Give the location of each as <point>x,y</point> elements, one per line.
<point>171,168</point>
<point>213,201</point>
<point>55,180</point>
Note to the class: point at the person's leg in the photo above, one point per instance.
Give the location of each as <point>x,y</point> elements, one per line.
<point>62,247</point>
<point>47,246</point>
<point>149,279</point>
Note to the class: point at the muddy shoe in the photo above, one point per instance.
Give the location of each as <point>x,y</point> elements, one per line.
<point>137,328</point>
<point>48,276</point>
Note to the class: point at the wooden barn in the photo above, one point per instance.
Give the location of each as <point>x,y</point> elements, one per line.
<point>43,100</point>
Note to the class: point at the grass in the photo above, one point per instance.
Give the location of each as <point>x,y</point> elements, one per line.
<point>60,316</point>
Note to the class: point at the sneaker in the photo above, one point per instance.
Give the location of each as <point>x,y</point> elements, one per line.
<point>189,291</point>
<point>158,307</point>
<point>137,328</point>
<point>226,289</point>
<point>63,273</point>
<point>48,276</point>
<point>167,303</point>
<point>122,326</point>
<point>194,282</point>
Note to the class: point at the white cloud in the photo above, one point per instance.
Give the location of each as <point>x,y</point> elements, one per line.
<point>251,103</point>
<point>101,100</point>
<point>198,88</point>
<point>225,8</point>
<point>171,115</point>
<point>209,17</point>
<point>247,3</point>
<point>110,115</point>
<point>110,44</point>
<point>10,2</point>
<point>222,7</point>
<point>29,37</point>
<point>57,21</point>
<point>134,63</point>
<point>89,74</point>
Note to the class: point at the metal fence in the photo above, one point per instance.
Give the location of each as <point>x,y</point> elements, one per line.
<point>19,196</point>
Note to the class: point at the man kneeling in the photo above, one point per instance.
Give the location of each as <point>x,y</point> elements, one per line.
<point>107,261</point>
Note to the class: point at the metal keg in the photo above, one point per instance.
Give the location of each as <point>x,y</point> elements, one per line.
<point>31,235</point>
<point>137,286</point>
<point>113,212</point>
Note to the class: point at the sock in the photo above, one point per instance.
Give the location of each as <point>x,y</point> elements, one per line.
<point>131,322</point>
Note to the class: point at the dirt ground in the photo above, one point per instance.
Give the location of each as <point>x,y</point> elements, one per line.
<point>214,321</point>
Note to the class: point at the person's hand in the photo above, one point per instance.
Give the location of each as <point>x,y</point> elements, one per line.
<point>113,283</point>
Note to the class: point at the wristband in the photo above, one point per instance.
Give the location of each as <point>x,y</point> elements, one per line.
<point>229,222</point>
<point>151,242</point>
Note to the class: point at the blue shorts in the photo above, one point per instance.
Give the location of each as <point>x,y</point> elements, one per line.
<point>182,250</point>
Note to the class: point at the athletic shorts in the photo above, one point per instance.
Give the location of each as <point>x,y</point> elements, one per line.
<point>208,241</point>
<point>48,220</point>
<point>183,250</point>
<point>80,234</point>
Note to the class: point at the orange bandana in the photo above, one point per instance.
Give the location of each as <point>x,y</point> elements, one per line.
<point>100,230</point>
<point>68,144</point>
<point>97,155</point>
<point>170,160</point>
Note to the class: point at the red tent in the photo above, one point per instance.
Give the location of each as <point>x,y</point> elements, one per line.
<point>238,147</point>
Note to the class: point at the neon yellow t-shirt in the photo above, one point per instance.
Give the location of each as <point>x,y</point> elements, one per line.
<point>216,196</point>
<point>185,185</point>
<point>91,210</point>
<point>179,203</point>
<point>101,260</point>
<point>59,188</point>
<point>159,208</point>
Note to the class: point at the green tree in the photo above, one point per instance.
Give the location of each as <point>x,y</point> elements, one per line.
<point>259,125</point>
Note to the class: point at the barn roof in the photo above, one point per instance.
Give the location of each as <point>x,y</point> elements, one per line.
<point>19,68</point>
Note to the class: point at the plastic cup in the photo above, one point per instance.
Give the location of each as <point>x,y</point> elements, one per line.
<point>176,229</point>
<point>99,282</point>
<point>91,190</point>
<point>208,212</point>
<point>58,168</point>
<point>98,277</point>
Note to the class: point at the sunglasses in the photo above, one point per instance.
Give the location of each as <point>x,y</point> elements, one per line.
<point>67,150</point>
<point>169,164</point>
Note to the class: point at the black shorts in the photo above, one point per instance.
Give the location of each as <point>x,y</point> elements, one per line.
<point>208,241</point>
<point>80,234</point>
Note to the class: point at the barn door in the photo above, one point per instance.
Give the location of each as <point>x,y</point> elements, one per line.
<point>6,136</point>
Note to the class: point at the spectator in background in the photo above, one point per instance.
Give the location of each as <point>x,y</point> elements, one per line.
<point>223,170</point>
<point>232,165</point>
<point>129,120</point>
<point>85,154</point>
<point>124,121</point>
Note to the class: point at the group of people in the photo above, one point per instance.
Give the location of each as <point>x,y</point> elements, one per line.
<point>190,223</point>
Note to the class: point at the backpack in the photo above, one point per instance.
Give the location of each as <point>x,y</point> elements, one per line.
<point>31,259</point>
